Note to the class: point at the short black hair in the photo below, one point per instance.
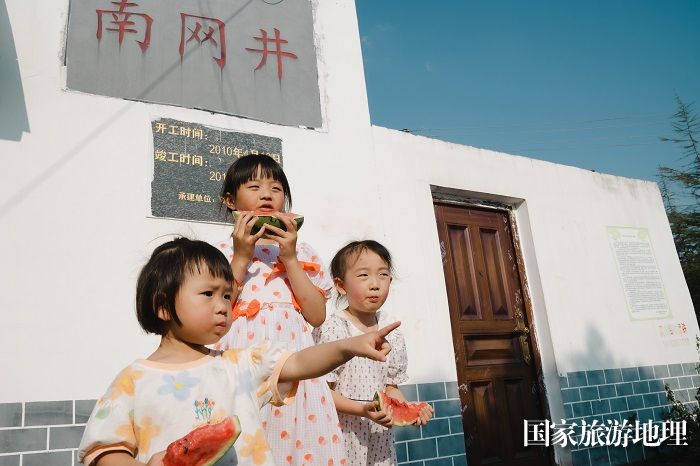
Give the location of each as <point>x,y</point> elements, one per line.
<point>246,168</point>
<point>339,264</point>
<point>164,273</point>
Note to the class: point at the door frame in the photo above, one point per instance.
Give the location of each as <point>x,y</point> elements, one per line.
<point>507,205</point>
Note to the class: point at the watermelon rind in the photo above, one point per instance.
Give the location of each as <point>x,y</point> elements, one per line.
<point>270,220</point>
<point>227,446</point>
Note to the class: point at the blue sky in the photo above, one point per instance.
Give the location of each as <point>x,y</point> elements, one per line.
<point>585,83</point>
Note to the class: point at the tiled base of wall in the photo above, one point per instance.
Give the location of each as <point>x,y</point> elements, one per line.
<point>619,394</point>
<point>42,433</point>
<point>48,433</point>
<point>441,441</point>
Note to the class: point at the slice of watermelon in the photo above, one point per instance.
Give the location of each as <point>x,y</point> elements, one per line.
<point>402,413</point>
<point>204,445</point>
<point>271,219</point>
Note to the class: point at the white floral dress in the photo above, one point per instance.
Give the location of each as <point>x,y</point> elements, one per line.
<point>366,442</point>
<point>306,431</point>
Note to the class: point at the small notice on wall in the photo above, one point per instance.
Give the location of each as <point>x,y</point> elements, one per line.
<point>639,273</point>
<point>189,165</point>
<point>674,334</point>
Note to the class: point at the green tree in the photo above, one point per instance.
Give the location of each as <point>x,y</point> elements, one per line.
<point>680,189</point>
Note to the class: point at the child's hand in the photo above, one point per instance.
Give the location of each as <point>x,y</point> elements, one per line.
<point>383,418</point>
<point>243,241</point>
<point>286,239</point>
<point>424,415</point>
<point>373,345</point>
<point>157,459</point>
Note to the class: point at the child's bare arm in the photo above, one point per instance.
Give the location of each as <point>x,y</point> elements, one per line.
<point>318,360</point>
<point>243,248</point>
<point>363,409</point>
<point>312,303</point>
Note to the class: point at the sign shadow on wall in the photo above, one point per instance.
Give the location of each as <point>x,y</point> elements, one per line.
<point>13,110</point>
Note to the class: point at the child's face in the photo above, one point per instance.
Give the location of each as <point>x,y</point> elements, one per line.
<point>203,305</point>
<point>261,194</point>
<point>366,282</point>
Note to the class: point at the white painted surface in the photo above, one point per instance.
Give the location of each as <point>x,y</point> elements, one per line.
<point>580,312</point>
<point>75,225</point>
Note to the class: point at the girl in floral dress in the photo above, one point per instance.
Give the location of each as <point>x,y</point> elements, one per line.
<point>362,274</point>
<point>283,289</point>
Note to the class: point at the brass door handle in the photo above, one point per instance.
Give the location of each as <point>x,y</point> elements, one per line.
<point>523,332</point>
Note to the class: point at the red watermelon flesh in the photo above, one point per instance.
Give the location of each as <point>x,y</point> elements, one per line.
<point>204,445</point>
<point>402,413</point>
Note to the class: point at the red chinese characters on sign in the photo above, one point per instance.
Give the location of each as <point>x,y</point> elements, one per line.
<point>193,29</point>
<point>124,23</point>
<point>278,42</point>
<point>199,29</point>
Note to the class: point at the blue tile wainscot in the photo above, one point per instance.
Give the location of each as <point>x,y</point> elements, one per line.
<point>441,441</point>
<point>42,433</point>
<point>622,394</point>
<point>47,433</point>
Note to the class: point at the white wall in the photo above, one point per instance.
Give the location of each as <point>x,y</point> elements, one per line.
<point>74,203</point>
<point>581,316</point>
<point>75,225</point>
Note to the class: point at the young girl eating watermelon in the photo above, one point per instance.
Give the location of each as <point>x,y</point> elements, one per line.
<point>280,293</point>
<point>184,295</point>
<point>362,274</point>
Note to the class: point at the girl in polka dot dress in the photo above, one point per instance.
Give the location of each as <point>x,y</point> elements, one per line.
<point>362,274</point>
<point>283,287</point>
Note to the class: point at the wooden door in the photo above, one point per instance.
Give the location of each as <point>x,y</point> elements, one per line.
<point>496,369</point>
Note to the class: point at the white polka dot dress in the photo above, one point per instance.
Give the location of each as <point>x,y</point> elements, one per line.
<point>307,431</point>
<point>366,442</point>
